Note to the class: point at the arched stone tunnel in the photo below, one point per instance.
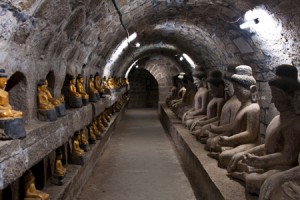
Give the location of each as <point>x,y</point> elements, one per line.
<point>54,38</point>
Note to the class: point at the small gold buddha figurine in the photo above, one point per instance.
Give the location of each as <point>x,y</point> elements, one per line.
<point>6,110</point>
<point>105,86</point>
<point>94,94</point>
<point>43,98</point>
<point>92,136</point>
<point>80,87</point>
<point>30,190</point>
<point>54,101</point>
<point>74,97</point>
<point>97,82</point>
<point>111,84</point>
<point>96,130</point>
<point>84,144</point>
<point>77,151</point>
<point>60,170</point>
<point>100,126</point>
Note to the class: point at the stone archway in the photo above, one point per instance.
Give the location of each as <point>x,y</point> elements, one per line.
<point>143,89</point>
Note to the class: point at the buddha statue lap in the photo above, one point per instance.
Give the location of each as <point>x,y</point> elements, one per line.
<point>93,93</point>
<point>80,89</point>
<point>77,156</point>
<point>59,170</point>
<point>74,97</point>
<point>46,110</point>
<point>11,121</point>
<point>214,107</point>
<point>224,126</point>
<point>31,193</point>
<point>282,144</point>
<point>58,103</point>
<point>245,134</point>
<point>200,99</point>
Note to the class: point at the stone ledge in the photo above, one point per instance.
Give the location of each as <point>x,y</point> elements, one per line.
<point>77,175</point>
<point>207,179</point>
<point>17,156</point>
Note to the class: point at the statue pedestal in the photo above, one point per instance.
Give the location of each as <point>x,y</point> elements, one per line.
<point>47,115</point>
<point>13,128</point>
<point>61,110</point>
<point>75,102</point>
<point>85,147</point>
<point>57,180</point>
<point>77,160</point>
<point>85,102</point>
<point>94,97</point>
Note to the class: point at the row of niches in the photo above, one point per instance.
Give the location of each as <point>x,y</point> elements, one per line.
<point>54,167</point>
<point>222,112</point>
<point>74,94</point>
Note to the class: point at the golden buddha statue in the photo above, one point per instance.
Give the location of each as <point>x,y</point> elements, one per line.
<point>6,110</point>
<point>30,190</point>
<point>43,98</point>
<point>100,126</point>
<point>72,88</point>
<point>60,170</point>
<point>94,94</point>
<point>80,87</point>
<point>92,136</point>
<point>54,101</point>
<point>97,82</point>
<point>105,86</point>
<point>83,139</point>
<point>77,151</point>
<point>111,83</point>
<point>96,130</point>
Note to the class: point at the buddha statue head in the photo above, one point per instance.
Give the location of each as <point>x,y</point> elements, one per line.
<point>41,85</point>
<point>199,78</point>
<point>97,77</point>
<point>244,83</point>
<point>80,79</point>
<point>72,80</point>
<point>216,83</point>
<point>283,87</point>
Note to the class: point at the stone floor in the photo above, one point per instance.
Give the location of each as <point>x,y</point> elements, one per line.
<point>140,163</point>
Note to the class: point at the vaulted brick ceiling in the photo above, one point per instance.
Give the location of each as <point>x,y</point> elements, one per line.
<point>77,32</point>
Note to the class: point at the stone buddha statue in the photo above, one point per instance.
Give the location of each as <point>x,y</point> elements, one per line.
<point>213,110</point>
<point>282,144</point>
<point>80,89</point>
<point>6,110</point>
<point>245,134</point>
<point>200,99</point>
<point>75,98</point>
<point>224,126</point>
<point>11,121</point>
<point>30,190</point>
<point>94,94</point>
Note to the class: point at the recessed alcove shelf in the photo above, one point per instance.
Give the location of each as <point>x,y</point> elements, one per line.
<point>207,179</point>
<point>17,156</point>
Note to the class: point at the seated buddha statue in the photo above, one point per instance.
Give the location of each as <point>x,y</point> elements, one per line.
<point>92,136</point>
<point>6,110</point>
<point>30,190</point>
<point>44,102</point>
<point>100,126</point>
<point>282,144</point>
<point>93,93</point>
<point>60,170</point>
<point>75,98</point>
<point>213,110</point>
<point>111,83</point>
<point>96,130</point>
<point>104,86</point>
<point>76,150</point>
<point>81,90</point>
<point>83,140</point>
<point>245,134</point>
<point>54,101</point>
<point>97,80</point>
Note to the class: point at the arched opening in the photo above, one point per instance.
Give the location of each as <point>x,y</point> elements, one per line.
<point>143,89</point>
<point>51,81</point>
<point>17,87</point>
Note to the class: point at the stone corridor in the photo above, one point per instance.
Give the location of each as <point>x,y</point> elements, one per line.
<point>139,163</point>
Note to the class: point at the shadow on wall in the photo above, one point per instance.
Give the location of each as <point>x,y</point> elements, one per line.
<point>143,89</point>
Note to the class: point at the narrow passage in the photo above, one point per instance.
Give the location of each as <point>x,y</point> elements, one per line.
<point>139,163</point>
